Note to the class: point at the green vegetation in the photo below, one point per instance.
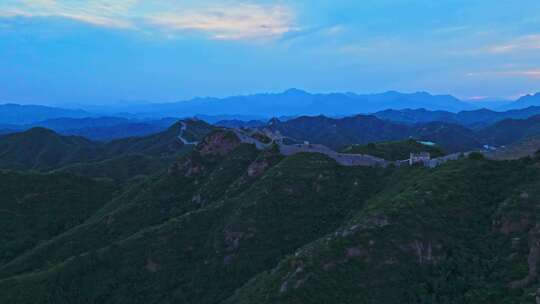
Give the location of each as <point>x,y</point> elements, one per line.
<point>396,150</point>
<point>361,129</point>
<point>164,144</point>
<point>121,168</point>
<point>44,150</point>
<point>197,130</point>
<point>262,138</point>
<point>226,223</point>
<point>521,149</point>
<point>458,234</point>
<point>35,207</point>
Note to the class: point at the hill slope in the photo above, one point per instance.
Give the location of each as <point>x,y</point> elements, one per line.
<point>397,150</point>
<point>231,224</point>
<point>473,118</point>
<point>525,101</point>
<point>163,144</point>
<point>26,114</point>
<point>360,129</point>
<point>511,131</point>
<point>35,208</point>
<point>407,246</point>
<point>42,149</point>
<point>296,102</point>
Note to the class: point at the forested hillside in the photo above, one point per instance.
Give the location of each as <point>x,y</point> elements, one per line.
<point>395,150</point>
<point>44,150</point>
<point>227,223</point>
<point>338,133</point>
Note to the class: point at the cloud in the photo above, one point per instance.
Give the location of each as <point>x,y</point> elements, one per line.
<point>524,43</point>
<point>236,21</point>
<point>477,98</point>
<point>529,73</point>
<point>245,21</point>
<point>98,12</point>
<point>450,29</point>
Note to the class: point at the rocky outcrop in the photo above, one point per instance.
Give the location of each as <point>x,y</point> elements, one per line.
<point>219,143</point>
<point>295,278</point>
<point>532,260</point>
<point>426,252</point>
<point>257,168</point>
<point>189,167</point>
<point>232,240</point>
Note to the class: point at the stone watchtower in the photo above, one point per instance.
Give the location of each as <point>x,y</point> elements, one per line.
<point>419,158</point>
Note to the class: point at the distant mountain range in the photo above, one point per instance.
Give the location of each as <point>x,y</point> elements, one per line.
<point>462,131</point>
<point>295,102</point>
<point>291,103</point>
<point>529,100</point>
<point>337,133</point>
<point>452,123</point>
<point>298,102</point>
<point>111,128</point>
<point>26,114</point>
<point>474,119</point>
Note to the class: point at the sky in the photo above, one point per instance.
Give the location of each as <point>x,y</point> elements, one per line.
<point>94,52</point>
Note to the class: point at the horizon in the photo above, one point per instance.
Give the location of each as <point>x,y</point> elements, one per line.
<point>59,52</point>
<point>477,100</point>
<point>269,151</point>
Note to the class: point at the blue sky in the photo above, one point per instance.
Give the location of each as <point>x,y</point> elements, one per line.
<point>98,52</point>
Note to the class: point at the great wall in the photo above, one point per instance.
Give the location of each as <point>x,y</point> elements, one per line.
<point>351,160</point>
<point>344,159</point>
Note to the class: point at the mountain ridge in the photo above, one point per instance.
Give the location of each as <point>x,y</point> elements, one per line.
<point>228,223</point>
<point>291,102</point>
<point>44,149</point>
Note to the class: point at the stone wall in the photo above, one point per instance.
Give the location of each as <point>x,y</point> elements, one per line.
<point>341,158</point>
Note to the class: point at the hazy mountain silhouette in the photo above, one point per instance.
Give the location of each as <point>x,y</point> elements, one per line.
<point>24,114</point>
<point>293,102</point>
<point>298,102</point>
<point>524,102</point>
<point>475,118</point>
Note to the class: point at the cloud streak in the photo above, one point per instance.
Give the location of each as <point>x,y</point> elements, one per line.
<point>524,43</point>
<point>98,13</point>
<point>529,73</point>
<point>244,21</point>
<point>236,21</point>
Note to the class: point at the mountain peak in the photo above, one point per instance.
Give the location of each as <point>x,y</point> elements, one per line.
<point>40,131</point>
<point>274,121</point>
<point>295,91</point>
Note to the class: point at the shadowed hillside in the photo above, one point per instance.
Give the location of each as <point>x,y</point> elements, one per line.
<point>35,208</point>
<point>228,223</point>
<point>511,131</point>
<point>44,150</point>
<point>398,150</point>
<point>337,133</point>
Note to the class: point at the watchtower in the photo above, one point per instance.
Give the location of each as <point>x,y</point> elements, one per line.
<point>419,158</point>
